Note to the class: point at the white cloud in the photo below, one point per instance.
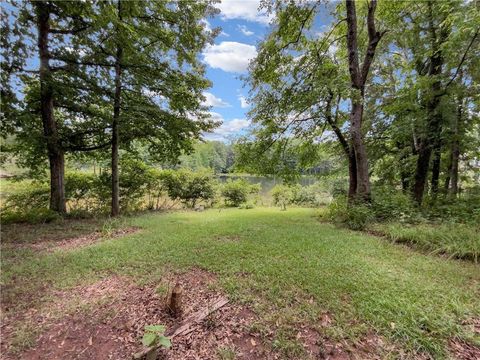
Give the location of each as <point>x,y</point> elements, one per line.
<point>212,100</point>
<point>244,30</point>
<point>243,102</point>
<point>228,129</point>
<point>243,9</point>
<point>229,56</point>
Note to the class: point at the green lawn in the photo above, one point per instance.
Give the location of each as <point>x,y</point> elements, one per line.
<point>290,268</point>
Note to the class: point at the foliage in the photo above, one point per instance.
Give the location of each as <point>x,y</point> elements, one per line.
<point>189,187</point>
<point>452,239</point>
<point>282,195</point>
<point>36,215</point>
<point>353,216</point>
<point>154,336</point>
<point>235,192</point>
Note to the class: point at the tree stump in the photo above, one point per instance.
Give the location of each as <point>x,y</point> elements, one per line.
<point>174,302</point>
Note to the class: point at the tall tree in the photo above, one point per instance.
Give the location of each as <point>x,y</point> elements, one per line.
<point>358,76</point>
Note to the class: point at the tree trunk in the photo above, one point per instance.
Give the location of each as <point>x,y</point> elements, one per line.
<point>361,161</point>
<point>455,156</point>
<point>352,175</point>
<point>358,78</point>
<point>115,122</point>
<point>437,157</point>
<point>433,127</point>
<point>55,151</point>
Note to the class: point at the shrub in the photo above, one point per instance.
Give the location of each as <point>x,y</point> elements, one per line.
<point>189,187</point>
<point>235,192</point>
<point>34,196</point>
<point>389,203</point>
<point>282,196</point>
<point>31,216</point>
<point>355,217</point>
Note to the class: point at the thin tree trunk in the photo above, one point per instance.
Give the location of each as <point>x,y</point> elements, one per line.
<point>455,156</point>
<point>56,156</point>
<point>347,148</point>
<point>361,160</point>
<point>115,211</point>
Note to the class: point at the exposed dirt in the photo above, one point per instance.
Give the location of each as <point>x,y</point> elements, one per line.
<point>76,242</point>
<point>106,321</point>
<point>464,351</point>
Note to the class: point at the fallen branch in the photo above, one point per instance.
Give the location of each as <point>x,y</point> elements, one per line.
<point>186,326</point>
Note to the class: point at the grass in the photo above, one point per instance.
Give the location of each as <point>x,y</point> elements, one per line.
<point>290,269</point>
<point>454,240</point>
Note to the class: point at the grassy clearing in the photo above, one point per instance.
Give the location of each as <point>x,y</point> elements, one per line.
<point>291,269</point>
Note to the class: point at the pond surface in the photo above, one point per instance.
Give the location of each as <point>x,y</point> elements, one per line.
<point>266,183</point>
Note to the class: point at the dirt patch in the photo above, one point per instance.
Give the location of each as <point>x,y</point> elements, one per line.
<point>77,242</point>
<point>463,350</point>
<point>228,238</point>
<point>105,320</point>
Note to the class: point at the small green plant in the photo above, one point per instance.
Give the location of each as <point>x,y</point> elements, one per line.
<point>155,336</point>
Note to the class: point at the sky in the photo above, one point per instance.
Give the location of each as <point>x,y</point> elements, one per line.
<point>243,27</point>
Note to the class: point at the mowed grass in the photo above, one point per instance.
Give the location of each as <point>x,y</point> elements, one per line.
<point>291,269</point>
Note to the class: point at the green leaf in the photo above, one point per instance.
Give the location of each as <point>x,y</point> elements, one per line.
<point>165,342</point>
<point>155,328</point>
<point>148,339</point>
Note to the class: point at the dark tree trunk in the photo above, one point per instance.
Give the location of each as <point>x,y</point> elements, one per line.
<point>115,211</point>
<point>433,127</point>
<point>55,151</point>
<point>455,155</point>
<point>437,157</point>
<point>358,78</point>
<point>352,175</point>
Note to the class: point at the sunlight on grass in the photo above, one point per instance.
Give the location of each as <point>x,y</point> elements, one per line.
<point>277,262</point>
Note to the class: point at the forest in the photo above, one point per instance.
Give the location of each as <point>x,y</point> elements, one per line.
<point>226,179</point>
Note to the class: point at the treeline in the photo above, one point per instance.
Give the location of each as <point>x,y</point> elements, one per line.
<point>81,79</point>
<point>391,86</point>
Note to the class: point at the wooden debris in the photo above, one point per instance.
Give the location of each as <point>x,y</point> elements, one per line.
<point>188,325</point>
<point>174,302</point>
<point>185,327</point>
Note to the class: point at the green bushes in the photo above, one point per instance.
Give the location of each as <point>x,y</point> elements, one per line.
<point>189,187</point>
<point>236,192</point>
<point>312,195</point>
<point>355,217</point>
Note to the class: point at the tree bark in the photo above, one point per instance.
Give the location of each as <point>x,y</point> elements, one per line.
<point>358,77</point>
<point>433,127</point>
<point>115,211</point>
<point>437,157</point>
<point>455,155</point>
<point>55,151</point>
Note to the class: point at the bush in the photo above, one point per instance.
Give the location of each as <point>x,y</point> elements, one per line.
<point>34,196</point>
<point>282,196</point>
<point>355,217</point>
<point>235,192</point>
<point>189,187</point>
<point>31,216</point>
<point>390,204</point>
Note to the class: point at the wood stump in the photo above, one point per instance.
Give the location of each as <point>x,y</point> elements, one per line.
<point>174,301</point>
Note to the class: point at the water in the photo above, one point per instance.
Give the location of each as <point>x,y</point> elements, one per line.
<point>266,183</point>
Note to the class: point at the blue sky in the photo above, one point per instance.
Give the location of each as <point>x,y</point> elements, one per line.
<point>243,27</point>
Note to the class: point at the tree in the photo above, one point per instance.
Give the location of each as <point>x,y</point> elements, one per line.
<point>358,76</point>
<point>157,80</point>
